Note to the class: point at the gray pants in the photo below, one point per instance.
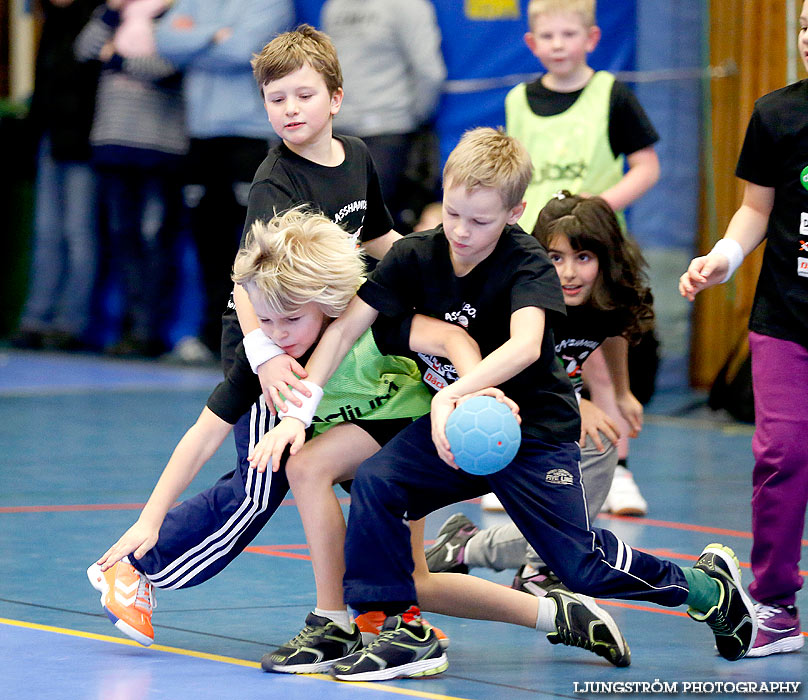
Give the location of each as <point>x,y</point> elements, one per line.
<point>503,547</point>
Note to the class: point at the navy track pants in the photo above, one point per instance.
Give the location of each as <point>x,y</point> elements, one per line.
<point>201,536</point>
<point>540,490</point>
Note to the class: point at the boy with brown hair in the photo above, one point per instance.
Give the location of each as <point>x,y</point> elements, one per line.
<point>483,272</point>
<point>300,80</point>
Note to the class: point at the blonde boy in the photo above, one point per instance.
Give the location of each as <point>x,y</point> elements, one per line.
<point>578,124</point>
<point>300,271</point>
<point>484,273</point>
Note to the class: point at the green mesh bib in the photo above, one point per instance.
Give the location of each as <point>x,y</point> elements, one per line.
<point>570,150</point>
<point>371,386</point>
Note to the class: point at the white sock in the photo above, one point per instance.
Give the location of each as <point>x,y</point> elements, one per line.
<point>339,617</point>
<point>545,620</point>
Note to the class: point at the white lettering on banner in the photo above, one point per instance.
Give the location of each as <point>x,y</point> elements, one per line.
<point>660,687</point>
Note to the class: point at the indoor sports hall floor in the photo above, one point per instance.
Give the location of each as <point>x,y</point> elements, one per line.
<point>82,441</point>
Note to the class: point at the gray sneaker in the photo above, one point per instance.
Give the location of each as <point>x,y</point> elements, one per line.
<point>446,555</point>
<point>538,584</point>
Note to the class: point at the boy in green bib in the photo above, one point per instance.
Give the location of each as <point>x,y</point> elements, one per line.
<point>582,128</point>
<point>578,125</point>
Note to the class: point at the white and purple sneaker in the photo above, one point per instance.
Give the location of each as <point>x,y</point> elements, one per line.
<point>778,630</point>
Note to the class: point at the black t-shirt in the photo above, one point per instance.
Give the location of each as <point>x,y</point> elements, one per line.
<point>578,333</point>
<point>630,129</point>
<point>416,276</point>
<point>775,154</point>
<point>233,396</point>
<point>349,194</point>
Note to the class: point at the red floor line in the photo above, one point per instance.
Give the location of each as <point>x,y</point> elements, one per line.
<point>276,550</point>
<point>345,500</point>
<point>71,508</point>
<point>682,526</point>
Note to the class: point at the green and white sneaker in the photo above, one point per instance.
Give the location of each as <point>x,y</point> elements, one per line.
<point>733,618</point>
<point>580,622</point>
<point>405,648</point>
<point>315,648</point>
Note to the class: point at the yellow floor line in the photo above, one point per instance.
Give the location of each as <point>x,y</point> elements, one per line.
<point>217,657</point>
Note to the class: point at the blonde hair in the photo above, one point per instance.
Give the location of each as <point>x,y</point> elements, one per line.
<point>297,258</point>
<point>289,51</point>
<point>585,8</point>
<point>487,157</point>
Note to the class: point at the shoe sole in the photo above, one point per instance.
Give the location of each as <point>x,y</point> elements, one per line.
<point>636,512</point>
<point>728,557</point>
<point>780,646</point>
<point>319,667</point>
<point>99,582</point>
<point>416,669</point>
<point>611,625</point>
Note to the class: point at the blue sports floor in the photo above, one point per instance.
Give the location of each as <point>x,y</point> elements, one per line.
<point>83,441</point>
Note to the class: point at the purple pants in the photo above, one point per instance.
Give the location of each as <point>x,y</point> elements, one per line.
<point>780,477</point>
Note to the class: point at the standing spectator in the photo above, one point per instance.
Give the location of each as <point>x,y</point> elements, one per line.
<point>212,42</point>
<point>393,71</point>
<point>57,310</point>
<point>139,142</point>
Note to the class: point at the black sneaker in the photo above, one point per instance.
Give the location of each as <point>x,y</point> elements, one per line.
<point>733,618</point>
<point>446,555</point>
<point>315,648</point>
<point>405,648</point>
<point>582,623</point>
<point>539,583</point>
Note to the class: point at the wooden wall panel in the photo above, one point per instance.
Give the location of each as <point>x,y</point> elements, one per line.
<point>751,36</point>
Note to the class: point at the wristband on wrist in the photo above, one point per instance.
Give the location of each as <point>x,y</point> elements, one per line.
<point>304,413</point>
<point>732,251</point>
<point>259,348</point>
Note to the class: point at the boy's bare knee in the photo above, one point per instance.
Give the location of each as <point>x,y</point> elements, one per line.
<point>297,470</point>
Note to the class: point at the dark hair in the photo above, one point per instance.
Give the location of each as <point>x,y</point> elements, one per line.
<point>622,283</point>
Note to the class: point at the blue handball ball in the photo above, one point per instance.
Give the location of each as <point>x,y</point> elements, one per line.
<point>484,435</point>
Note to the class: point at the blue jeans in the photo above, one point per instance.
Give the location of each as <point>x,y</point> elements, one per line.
<point>144,215</point>
<point>65,245</point>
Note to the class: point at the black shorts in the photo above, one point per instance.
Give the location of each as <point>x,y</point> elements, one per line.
<point>382,431</point>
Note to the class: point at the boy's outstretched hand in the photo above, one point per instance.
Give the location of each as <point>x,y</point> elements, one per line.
<point>290,431</point>
<point>444,402</point>
<point>139,538</point>
<point>276,376</point>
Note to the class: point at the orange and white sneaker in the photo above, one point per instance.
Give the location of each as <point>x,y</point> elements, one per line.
<point>370,624</point>
<point>127,596</point>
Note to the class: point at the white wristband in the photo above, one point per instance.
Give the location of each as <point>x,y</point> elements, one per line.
<point>259,348</point>
<point>732,251</point>
<point>304,413</point>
